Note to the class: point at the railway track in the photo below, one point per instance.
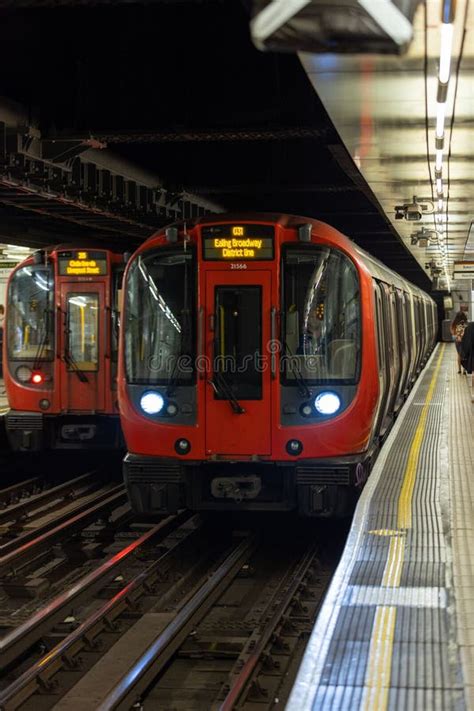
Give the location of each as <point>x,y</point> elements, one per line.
<point>10,495</point>
<point>34,510</point>
<point>185,598</point>
<point>29,545</point>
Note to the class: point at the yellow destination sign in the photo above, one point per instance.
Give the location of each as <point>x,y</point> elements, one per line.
<point>77,267</point>
<point>232,242</point>
<point>234,247</point>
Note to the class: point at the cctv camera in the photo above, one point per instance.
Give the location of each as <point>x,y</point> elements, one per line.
<point>414,241</point>
<point>413,212</point>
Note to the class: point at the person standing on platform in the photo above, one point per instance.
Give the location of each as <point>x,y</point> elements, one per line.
<point>458,326</point>
<point>467,348</point>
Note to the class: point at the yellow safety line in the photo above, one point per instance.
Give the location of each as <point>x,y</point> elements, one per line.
<point>377,679</point>
<point>405,498</point>
<point>393,566</point>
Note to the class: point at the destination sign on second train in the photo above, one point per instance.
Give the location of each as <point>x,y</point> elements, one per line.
<point>82,264</point>
<point>246,242</point>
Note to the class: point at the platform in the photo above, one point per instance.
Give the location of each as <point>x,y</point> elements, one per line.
<point>396,630</point>
<point>3,399</point>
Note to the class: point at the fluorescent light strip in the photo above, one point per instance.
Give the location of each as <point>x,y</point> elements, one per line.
<point>440,115</point>
<point>439,160</point>
<point>439,186</point>
<point>445,52</point>
<point>440,204</point>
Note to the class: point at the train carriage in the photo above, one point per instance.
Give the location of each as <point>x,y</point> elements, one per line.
<point>262,361</point>
<point>61,348</point>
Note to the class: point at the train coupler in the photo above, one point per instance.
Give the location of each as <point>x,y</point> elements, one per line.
<point>236,488</point>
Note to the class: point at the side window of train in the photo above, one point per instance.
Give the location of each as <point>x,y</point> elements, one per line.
<point>401,321</point>
<point>417,331</point>
<point>408,325</point>
<point>387,331</point>
<point>379,326</point>
<point>393,320</point>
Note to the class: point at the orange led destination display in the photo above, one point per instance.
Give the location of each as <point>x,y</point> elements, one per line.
<point>82,263</point>
<point>238,242</point>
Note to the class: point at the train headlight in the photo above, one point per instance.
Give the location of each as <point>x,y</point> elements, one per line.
<point>152,403</point>
<point>23,374</point>
<point>327,403</point>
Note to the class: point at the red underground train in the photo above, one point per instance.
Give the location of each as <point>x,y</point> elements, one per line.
<point>61,349</point>
<point>262,360</point>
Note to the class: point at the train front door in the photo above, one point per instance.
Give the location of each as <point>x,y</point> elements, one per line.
<point>82,341</point>
<point>238,387</point>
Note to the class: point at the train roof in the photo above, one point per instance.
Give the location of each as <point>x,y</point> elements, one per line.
<point>374,266</point>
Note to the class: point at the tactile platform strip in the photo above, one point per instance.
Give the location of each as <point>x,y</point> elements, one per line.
<point>459,414</point>
<point>387,636</point>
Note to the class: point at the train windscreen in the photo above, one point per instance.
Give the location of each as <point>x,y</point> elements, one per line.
<point>159,318</point>
<point>321,325</point>
<point>30,319</point>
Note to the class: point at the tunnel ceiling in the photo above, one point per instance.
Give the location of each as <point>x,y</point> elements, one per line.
<point>177,92</point>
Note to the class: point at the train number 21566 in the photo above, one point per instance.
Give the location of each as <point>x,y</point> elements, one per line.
<point>238,265</point>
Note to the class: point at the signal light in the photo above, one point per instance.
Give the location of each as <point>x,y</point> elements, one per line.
<point>37,378</point>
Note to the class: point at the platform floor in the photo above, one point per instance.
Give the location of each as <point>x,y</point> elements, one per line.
<point>396,630</point>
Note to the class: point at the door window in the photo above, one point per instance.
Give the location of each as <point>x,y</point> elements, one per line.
<point>83,332</point>
<point>238,342</point>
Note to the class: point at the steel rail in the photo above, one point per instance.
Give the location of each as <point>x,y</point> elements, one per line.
<point>10,492</point>
<point>37,676</point>
<point>13,513</point>
<point>22,637</point>
<point>265,636</point>
<point>126,691</point>
<point>28,545</point>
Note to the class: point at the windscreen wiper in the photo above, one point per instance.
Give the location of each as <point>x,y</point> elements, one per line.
<point>75,368</point>
<point>44,340</point>
<point>223,389</point>
<point>302,387</point>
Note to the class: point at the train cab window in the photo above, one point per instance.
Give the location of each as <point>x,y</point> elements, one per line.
<point>30,317</point>
<point>159,312</point>
<point>321,324</point>
<point>82,332</point>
